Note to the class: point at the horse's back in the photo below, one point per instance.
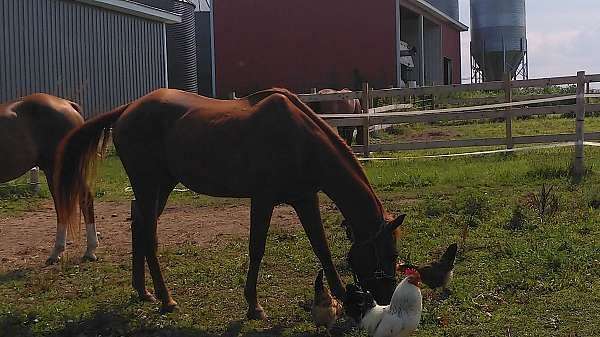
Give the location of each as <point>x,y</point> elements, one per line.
<point>30,131</point>
<point>216,147</point>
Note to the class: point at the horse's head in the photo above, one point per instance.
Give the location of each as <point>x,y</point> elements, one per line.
<point>373,261</point>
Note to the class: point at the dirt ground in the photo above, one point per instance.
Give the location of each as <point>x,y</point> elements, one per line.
<point>27,240</point>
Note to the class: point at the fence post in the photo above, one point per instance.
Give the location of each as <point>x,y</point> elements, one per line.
<point>366,105</point>
<point>232,95</point>
<point>508,115</point>
<point>578,163</point>
<point>34,179</point>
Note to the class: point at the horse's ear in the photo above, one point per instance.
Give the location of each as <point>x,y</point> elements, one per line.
<point>392,225</point>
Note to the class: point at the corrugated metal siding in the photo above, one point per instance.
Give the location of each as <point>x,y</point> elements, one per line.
<point>203,53</point>
<point>96,57</point>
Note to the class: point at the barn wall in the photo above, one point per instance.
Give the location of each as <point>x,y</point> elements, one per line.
<point>451,50</point>
<point>433,54</point>
<point>96,57</point>
<point>302,44</point>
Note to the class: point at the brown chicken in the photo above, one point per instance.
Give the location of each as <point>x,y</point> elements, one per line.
<point>437,274</point>
<point>325,309</point>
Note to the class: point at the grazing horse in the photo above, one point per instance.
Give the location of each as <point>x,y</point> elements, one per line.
<point>31,129</point>
<point>269,147</point>
<point>351,106</point>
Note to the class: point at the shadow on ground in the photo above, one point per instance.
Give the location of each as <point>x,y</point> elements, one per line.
<point>14,275</point>
<point>114,324</point>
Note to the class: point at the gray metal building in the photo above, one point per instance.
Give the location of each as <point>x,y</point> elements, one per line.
<point>99,53</point>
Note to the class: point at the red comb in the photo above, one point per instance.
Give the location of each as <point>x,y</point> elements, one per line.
<point>411,271</point>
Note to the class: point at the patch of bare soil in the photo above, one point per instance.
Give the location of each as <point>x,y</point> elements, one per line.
<point>435,135</point>
<point>27,240</point>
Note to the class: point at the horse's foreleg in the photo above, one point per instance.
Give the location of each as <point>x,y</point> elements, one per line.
<point>310,217</point>
<point>86,204</point>
<point>360,131</point>
<point>260,219</point>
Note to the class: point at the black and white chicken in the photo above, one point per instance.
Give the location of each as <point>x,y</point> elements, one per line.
<point>398,319</point>
<point>437,274</point>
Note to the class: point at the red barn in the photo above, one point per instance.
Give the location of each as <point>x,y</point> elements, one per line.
<point>301,44</point>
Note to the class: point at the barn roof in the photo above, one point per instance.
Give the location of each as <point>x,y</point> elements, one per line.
<point>435,12</point>
<point>136,9</point>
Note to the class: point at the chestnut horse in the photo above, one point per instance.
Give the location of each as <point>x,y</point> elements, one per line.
<point>351,106</point>
<point>269,147</point>
<point>31,129</point>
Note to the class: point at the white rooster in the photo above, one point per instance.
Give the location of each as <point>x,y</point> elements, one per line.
<point>398,319</point>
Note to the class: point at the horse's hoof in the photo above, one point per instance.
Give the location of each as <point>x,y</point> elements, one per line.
<point>257,314</point>
<point>89,258</point>
<point>52,260</point>
<point>168,307</point>
<point>147,297</point>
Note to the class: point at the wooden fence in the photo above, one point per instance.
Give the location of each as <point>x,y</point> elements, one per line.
<point>508,110</point>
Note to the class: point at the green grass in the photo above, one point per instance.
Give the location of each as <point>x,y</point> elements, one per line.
<point>540,279</point>
<point>483,129</point>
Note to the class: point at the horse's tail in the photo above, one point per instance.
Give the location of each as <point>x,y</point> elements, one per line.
<point>75,165</point>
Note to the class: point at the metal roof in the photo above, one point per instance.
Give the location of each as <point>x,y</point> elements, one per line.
<point>135,9</point>
<point>430,9</point>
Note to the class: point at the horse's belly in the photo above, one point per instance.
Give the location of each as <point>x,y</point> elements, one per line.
<point>236,168</point>
<point>18,151</point>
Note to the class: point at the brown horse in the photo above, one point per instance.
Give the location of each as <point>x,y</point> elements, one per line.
<point>351,106</point>
<point>269,147</point>
<point>31,129</point>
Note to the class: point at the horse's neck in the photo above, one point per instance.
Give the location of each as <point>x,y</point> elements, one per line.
<point>346,184</point>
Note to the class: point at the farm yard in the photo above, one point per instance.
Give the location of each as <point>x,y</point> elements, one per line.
<point>528,264</point>
<point>444,208</point>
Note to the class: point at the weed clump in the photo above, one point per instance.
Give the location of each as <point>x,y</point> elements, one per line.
<point>474,207</point>
<point>434,207</point>
<point>544,202</point>
<point>518,219</point>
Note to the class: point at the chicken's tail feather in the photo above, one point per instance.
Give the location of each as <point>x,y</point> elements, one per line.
<point>449,255</point>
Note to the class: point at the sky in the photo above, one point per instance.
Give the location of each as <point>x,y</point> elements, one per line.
<point>563,37</point>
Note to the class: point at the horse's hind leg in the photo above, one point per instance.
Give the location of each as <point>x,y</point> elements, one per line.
<point>150,200</point>
<point>86,204</point>
<point>310,217</point>
<point>60,241</point>
<point>260,219</point>
<point>168,304</point>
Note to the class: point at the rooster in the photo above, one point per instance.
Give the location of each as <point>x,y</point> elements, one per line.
<point>437,274</point>
<point>325,309</point>
<point>398,319</point>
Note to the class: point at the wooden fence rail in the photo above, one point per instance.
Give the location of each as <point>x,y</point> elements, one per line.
<point>507,107</point>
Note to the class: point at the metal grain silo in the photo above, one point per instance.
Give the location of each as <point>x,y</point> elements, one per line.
<point>181,44</point>
<point>450,7</point>
<point>498,38</point>
<point>204,47</point>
